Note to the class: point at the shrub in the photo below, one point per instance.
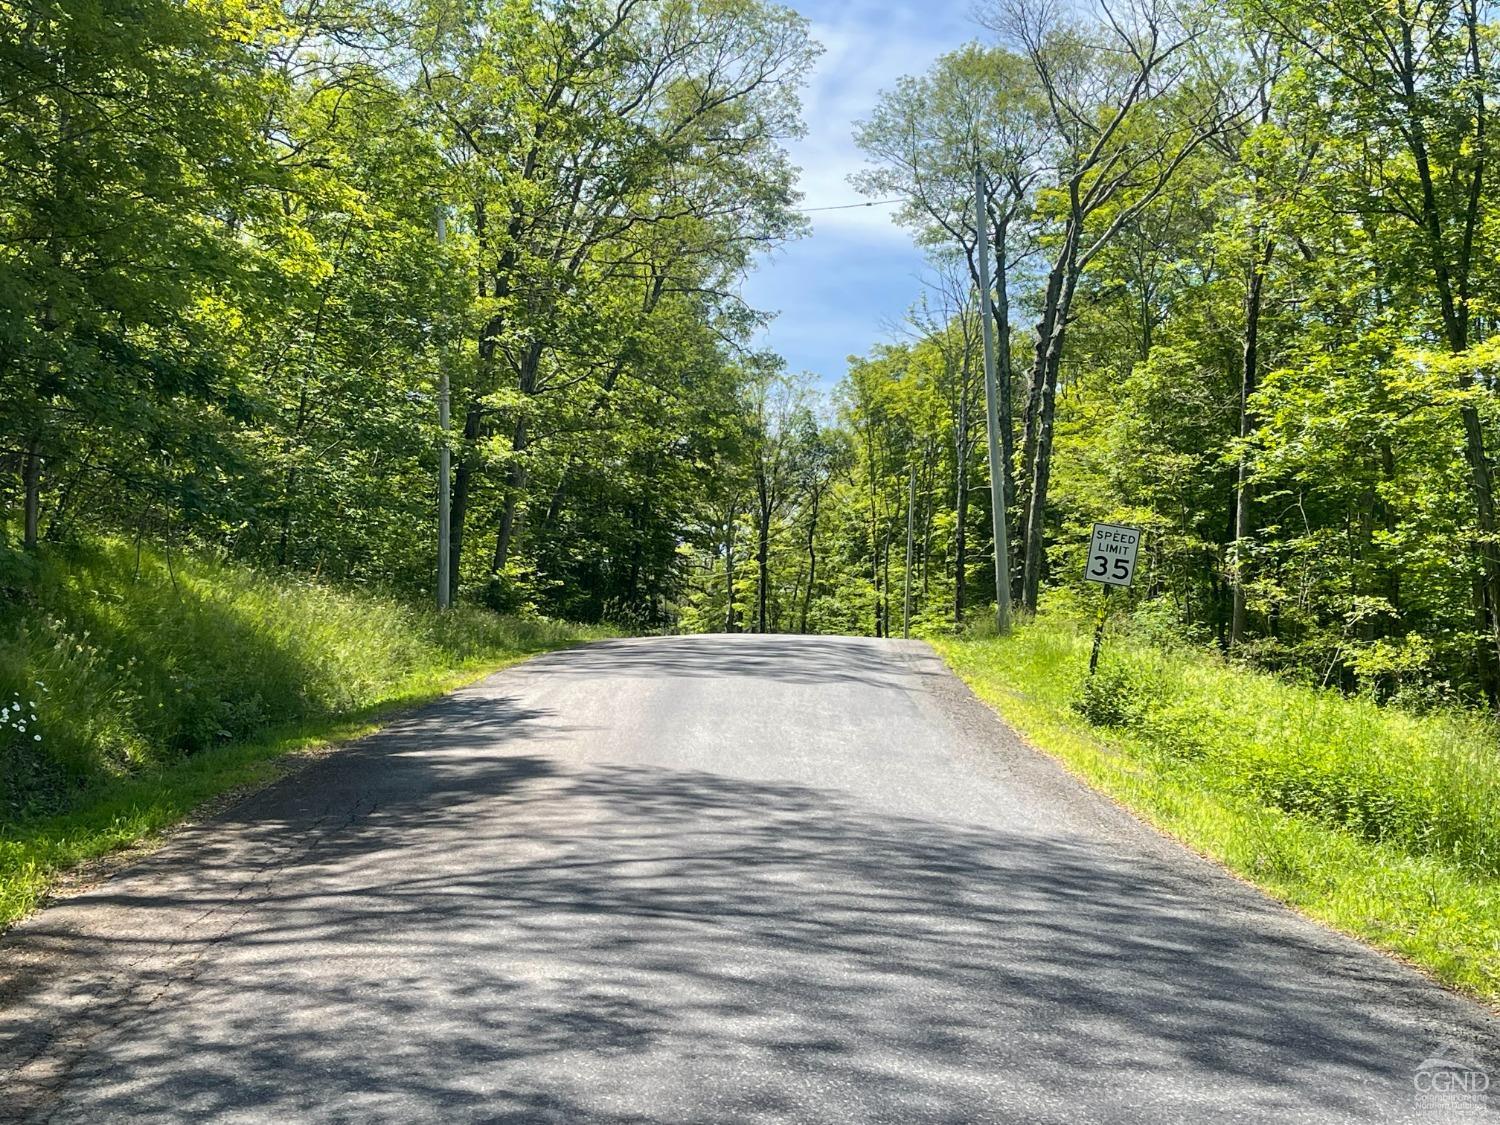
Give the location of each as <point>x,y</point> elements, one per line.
<point>1427,783</point>
<point>1118,694</point>
<point>134,664</point>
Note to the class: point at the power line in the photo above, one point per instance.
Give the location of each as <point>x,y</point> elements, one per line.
<point>849,206</point>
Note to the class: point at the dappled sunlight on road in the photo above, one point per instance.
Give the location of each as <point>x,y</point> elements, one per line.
<point>479,915</point>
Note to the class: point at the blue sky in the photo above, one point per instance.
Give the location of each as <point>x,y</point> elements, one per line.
<point>849,284</point>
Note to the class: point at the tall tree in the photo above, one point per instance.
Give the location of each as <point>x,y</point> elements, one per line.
<point>1126,113</point>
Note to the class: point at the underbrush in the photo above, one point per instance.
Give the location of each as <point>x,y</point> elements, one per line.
<point>1383,822</point>
<point>133,685</point>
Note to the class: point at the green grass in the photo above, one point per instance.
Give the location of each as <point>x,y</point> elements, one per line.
<point>156,689</point>
<point>1383,824</point>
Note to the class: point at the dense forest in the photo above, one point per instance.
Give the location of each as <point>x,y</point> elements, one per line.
<point>240,242</point>
<point>1244,299</point>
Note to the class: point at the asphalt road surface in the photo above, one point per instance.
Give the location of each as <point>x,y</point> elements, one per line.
<point>708,879</point>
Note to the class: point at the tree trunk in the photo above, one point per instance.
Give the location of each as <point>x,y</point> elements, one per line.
<point>284,538</point>
<point>1452,286</point>
<point>874,525</point>
<point>515,488</point>
<point>468,462</point>
<point>61,509</point>
<point>1388,515</point>
<point>1249,380</point>
<point>1034,389</point>
<point>729,617</point>
<point>1040,404</point>
<point>885,585</point>
<point>762,567</point>
<point>928,513</point>
<point>1000,308</point>
<point>519,476</point>
<point>559,494</point>
<point>463,474</point>
<point>1482,486</point>
<point>812,561</point>
<point>31,486</point>
<point>960,535</point>
<point>1041,468</point>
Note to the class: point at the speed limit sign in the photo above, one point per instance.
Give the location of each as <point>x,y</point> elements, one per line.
<point>1112,554</point>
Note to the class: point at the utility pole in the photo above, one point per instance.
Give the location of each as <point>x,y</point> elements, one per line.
<point>991,402</point>
<point>445,520</point>
<point>911,503</point>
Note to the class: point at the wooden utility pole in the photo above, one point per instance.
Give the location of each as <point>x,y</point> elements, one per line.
<point>992,405</point>
<point>445,517</point>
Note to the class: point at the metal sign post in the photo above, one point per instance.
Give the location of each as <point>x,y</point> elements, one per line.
<point>1112,553</point>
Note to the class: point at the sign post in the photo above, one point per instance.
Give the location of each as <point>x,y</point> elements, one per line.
<point>1112,552</point>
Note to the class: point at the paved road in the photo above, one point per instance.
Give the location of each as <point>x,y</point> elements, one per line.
<point>714,879</point>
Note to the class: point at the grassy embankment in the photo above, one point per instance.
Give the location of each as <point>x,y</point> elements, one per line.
<point>155,689</point>
<point>1381,823</point>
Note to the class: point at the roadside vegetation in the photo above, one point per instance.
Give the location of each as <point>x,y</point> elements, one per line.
<point>135,686</point>
<point>1243,298</point>
<point>1380,821</point>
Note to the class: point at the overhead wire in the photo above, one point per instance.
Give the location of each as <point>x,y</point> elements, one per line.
<point>848,206</point>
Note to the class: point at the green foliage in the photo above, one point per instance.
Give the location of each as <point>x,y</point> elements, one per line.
<point>133,662</point>
<point>1382,822</point>
<point>1280,345</point>
<point>1426,784</point>
<point>1117,695</point>
<point>224,308</point>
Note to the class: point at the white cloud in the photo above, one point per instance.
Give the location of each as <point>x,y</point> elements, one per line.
<point>839,290</point>
<point>867,47</point>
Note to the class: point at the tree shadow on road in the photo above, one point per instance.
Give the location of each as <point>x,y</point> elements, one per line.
<point>789,659</point>
<point>450,923</point>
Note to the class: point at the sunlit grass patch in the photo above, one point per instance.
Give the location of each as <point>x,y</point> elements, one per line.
<point>1382,823</point>
<point>133,691</point>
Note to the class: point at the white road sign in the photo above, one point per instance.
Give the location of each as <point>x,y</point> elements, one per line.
<point>1112,554</point>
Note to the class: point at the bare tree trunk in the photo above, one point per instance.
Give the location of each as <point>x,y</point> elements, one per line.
<point>1000,308</point>
<point>1030,416</point>
<point>1050,362</point>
